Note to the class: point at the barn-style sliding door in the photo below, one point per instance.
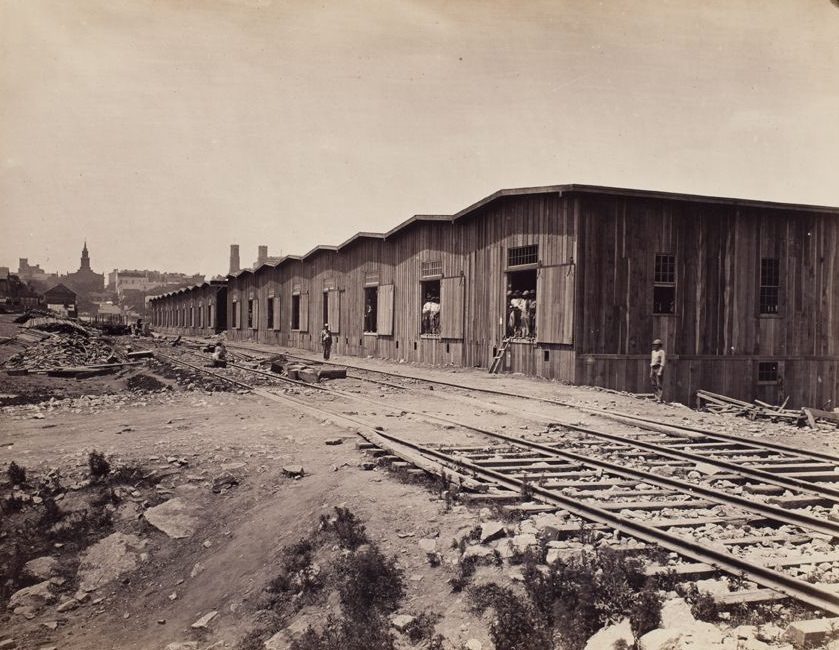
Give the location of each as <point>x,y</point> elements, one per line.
<point>451,308</point>
<point>555,304</point>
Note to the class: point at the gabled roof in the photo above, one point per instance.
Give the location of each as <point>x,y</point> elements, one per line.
<point>318,249</point>
<point>416,219</point>
<point>360,235</point>
<point>643,194</point>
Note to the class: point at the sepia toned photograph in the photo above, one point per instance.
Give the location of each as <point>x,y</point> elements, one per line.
<point>419,325</point>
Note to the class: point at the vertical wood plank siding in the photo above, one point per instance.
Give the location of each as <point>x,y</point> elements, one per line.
<point>716,338</point>
<point>595,320</point>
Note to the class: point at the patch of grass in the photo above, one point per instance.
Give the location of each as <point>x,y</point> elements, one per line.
<point>16,474</point>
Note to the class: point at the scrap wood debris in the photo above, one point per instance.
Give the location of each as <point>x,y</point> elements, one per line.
<point>66,349</point>
<point>715,403</point>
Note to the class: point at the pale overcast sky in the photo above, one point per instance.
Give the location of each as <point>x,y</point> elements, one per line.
<point>164,131</point>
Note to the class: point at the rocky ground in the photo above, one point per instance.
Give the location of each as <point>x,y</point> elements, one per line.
<point>162,510</point>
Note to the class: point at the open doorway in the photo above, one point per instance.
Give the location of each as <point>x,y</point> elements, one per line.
<point>325,315</point>
<point>430,303</point>
<point>371,304</point>
<point>521,305</point>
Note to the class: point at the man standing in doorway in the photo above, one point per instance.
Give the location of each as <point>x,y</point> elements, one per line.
<point>657,361</point>
<point>326,341</point>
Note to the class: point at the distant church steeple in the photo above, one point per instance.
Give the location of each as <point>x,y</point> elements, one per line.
<point>85,258</point>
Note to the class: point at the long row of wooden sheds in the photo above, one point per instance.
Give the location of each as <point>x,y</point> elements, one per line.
<point>577,279</point>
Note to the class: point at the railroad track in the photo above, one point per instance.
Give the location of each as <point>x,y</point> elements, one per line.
<point>637,483</point>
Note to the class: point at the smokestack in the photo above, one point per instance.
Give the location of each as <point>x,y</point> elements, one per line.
<point>234,258</point>
<point>261,256</point>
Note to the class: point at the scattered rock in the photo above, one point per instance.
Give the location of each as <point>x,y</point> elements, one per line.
<point>224,482</point>
<point>492,530</point>
<point>293,471</point>
<point>428,545</point>
<point>41,568</point>
<point>609,636</point>
<point>202,622</point>
<point>67,605</point>
<point>173,517</point>
<point>32,598</point>
<point>402,621</point>
<point>810,633</point>
<point>676,613</point>
<point>108,559</point>
<point>334,441</point>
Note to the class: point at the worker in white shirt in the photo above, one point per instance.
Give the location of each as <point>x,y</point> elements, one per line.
<point>658,359</point>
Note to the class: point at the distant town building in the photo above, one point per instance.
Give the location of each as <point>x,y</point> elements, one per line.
<point>262,257</point>
<point>85,281</point>
<point>16,295</point>
<point>35,276</point>
<point>125,280</point>
<point>62,300</point>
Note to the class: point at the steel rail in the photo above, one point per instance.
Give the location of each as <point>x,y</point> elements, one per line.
<point>792,587</point>
<point>824,526</point>
<point>595,411</point>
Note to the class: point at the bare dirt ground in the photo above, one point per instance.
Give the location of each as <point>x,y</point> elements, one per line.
<point>221,454</point>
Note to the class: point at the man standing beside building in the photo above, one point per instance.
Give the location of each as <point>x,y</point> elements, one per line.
<point>326,341</point>
<point>657,361</point>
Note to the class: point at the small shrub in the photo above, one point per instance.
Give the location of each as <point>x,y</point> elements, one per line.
<point>517,624</point>
<point>98,465</point>
<point>369,582</point>
<point>16,474</point>
<point>372,633</point>
<point>422,627</point>
<point>645,614</point>
<point>350,532</point>
<point>12,504</point>
<point>702,604</point>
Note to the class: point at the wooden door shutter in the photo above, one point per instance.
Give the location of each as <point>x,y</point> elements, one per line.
<point>277,312</point>
<point>451,308</point>
<point>384,310</point>
<point>334,310</point>
<point>555,304</point>
<point>304,312</point>
<point>256,314</point>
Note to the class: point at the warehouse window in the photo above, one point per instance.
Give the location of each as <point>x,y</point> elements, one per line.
<point>431,269</point>
<point>295,312</point>
<point>430,292</point>
<point>236,316</point>
<point>523,255</point>
<point>664,284</point>
<point>269,306</point>
<point>767,372</point>
<point>770,285</point>
<point>371,303</point>
<point>250,314</point>
<point>521,304</point>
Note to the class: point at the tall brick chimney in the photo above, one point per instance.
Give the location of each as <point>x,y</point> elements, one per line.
<point>261,256</point>
<point>234,259</point>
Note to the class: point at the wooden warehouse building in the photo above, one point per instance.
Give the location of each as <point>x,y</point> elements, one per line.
<point>580,279</point>
<point>200,310</point>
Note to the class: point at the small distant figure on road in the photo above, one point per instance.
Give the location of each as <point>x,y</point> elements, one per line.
<point>219,356</point>
<point>658,359</point>
<point>326,341</point>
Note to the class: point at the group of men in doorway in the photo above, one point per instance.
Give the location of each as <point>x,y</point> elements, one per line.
<point>521,314</point>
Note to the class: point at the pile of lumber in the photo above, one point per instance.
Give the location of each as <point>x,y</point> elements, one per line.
<point>304,372</point>
<point>64,350</point>
<point>715,403</point>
